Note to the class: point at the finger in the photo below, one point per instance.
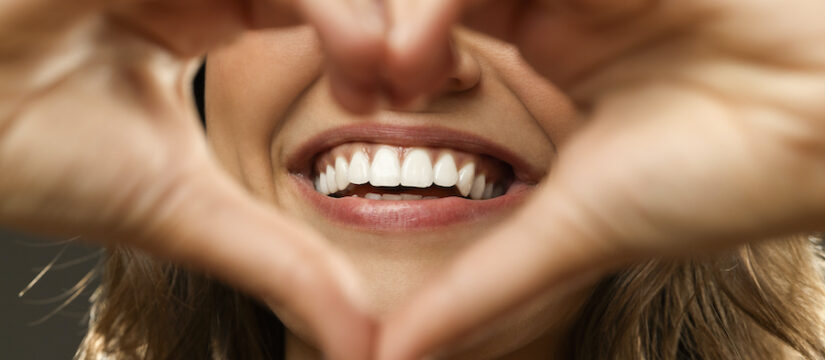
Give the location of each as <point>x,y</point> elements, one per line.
<point>254,248</point>
<point>517,263</point>
<point>606,7</point>
<point>611,201</point>
<point>352,33</point>
<point>419,54</point>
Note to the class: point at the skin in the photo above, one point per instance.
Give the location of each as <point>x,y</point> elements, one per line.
<point>99,138</point>
<point>702,84</point>
<point>268,93</point>
<point>740,139</point>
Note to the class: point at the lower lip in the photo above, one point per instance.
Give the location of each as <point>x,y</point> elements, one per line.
<point>391,215</point>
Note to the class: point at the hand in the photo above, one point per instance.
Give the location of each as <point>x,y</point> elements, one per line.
<point>98,137</point>
<point>704,130</point>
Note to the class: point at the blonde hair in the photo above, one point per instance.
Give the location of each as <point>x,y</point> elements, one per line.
<point>763,301</point>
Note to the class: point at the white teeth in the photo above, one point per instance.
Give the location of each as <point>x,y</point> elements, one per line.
<point>417,170</point>
<point>341,173</point>
<point>396,197</point>
<point>465,178</point>
<point>359,168</point>
<point>444,171</point>
<point>331,185</point>
<point>323,187</point>
<point>385,169</point>
<point>488,191</point>
<point>318,183</point>
<point>478,187</point>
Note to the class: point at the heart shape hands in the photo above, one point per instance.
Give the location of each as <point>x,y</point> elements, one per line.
<point>693,142</point>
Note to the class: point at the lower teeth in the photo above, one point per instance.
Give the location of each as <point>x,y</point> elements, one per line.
<point>396,197</point>
<point>410,194</point>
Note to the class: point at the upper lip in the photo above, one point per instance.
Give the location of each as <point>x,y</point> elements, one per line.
<point>429,136</point>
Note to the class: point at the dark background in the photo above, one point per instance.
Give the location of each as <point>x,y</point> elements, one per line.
<point>29,330</point>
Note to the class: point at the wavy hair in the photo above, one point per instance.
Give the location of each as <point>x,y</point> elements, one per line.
<point>763,301</point>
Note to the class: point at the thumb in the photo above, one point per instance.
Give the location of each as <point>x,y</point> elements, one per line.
<point>419,54</point>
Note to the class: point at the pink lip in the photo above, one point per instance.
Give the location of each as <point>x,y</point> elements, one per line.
<point>381,215</point>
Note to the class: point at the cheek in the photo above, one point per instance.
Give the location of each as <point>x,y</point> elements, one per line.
<point>552,109</point>
<point>250,86</point>
<point>260,73</point>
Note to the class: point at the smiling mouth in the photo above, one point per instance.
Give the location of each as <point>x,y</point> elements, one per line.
<point>386,172</point>
<point>399,178</point>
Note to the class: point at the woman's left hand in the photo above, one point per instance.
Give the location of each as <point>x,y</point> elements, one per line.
<point>705,129</point>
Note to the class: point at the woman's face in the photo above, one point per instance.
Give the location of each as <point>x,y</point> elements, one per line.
<point>401,192</point>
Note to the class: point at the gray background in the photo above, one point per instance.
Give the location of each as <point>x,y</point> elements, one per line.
<point>24,334</point>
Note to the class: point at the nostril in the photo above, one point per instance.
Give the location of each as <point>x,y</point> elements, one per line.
<point>465,75</point>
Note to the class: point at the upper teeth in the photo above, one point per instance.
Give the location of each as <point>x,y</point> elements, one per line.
<point>444,172</point>
<point>359,168</point>
<point>465,179</point>
<point>385,170</point>
<point>416,170</point>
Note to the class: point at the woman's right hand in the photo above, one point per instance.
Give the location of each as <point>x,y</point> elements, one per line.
<point>99,138</point>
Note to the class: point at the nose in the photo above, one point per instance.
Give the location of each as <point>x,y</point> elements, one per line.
<point>466,72</point>
<point>464,75</point>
